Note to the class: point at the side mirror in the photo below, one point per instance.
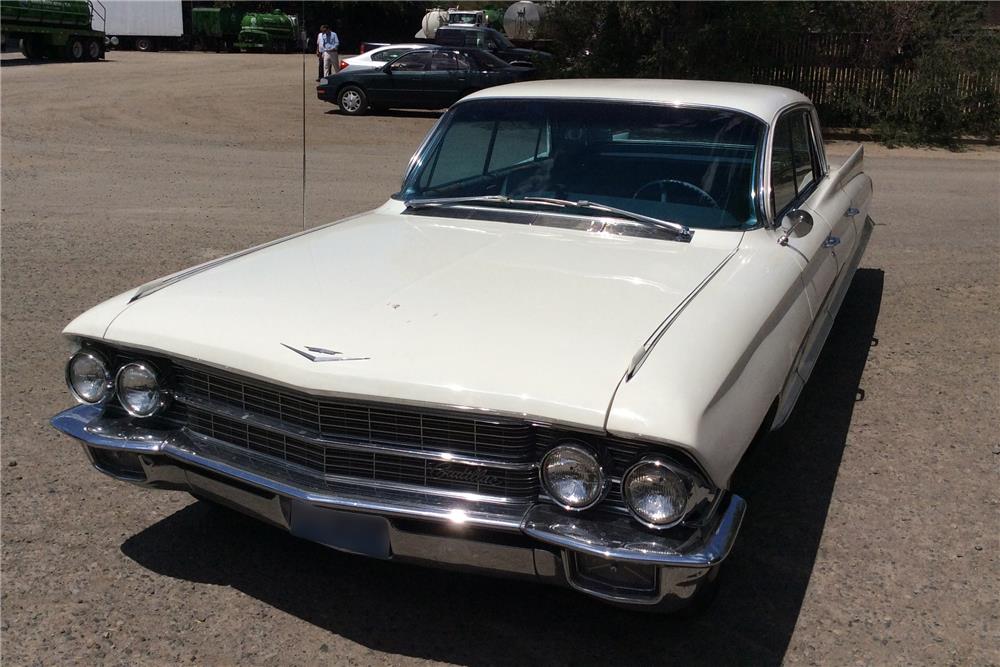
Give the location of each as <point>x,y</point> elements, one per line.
<point>800,223</point>
<point>387,68</point>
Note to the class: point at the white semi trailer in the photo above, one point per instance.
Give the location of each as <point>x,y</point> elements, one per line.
<point>144,25</point>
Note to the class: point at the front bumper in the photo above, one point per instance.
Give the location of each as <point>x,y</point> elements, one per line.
<point>606,556</point>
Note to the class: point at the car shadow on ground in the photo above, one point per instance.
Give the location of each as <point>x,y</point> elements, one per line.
<point>471,619</point>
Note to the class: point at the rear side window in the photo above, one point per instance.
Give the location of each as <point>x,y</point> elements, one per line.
<point>443,60</point>
<point>794,165</point>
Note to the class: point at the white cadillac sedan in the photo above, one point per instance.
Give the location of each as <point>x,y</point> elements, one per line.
<point>544,357</point>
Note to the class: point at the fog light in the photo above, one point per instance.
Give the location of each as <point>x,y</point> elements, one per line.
<point>573,477</point>
<point>139,390</point>
<point>88,377</point>
<point>655,493</point>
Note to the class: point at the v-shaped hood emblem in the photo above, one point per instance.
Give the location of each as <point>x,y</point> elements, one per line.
<point>322,354</point>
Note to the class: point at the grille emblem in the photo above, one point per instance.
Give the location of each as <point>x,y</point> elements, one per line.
<point>471,475</point>
<point>322,354</point>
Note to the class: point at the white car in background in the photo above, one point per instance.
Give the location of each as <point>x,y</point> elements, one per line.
<point>379,57</point>
<point>544,357</point>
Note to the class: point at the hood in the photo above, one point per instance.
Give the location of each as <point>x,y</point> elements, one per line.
<point>524,320</point>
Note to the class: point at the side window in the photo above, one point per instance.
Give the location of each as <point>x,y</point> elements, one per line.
<point>412,62</point>
<point>443,60</point>
<point>782,166</point>
<point>802,152</point>
<point>462,60</point>
<point>387,55</point>
<point>793,159</point>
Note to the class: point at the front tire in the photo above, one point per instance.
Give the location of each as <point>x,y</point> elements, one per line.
<point>352,101</point>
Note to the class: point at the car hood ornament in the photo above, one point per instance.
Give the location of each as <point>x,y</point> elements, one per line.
<point>322,354</point>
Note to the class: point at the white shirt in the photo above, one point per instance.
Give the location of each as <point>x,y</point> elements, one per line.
<point>327,42</point>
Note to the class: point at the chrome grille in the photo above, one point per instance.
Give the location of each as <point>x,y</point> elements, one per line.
<point>376,466</point>
<point>365,422</point>
<point>348,439</point>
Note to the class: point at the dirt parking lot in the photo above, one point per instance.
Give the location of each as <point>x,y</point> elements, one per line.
<point>872,534</point>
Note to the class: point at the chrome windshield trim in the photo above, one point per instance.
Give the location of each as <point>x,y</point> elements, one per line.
<point>680,232</point>
<point>313,437</point>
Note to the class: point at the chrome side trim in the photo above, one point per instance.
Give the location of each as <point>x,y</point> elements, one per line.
<point>647,347</point>
<point>816,337</point>
<point>276,426</point>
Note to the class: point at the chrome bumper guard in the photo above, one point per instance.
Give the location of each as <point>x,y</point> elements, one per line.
<point>453,530</point>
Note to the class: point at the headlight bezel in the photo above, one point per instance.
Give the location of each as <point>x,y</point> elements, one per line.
<point>579,448</point>
<point>162,396</point>
<point>109,378</point>
<point>693,488</point>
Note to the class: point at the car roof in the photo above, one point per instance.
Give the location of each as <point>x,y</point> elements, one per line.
<point>400,46</point>
<point>761,101</point>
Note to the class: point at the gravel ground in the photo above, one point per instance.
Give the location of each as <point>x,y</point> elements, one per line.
<point>872,536</point>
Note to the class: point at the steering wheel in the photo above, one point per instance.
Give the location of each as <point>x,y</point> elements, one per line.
<point>664,182</point>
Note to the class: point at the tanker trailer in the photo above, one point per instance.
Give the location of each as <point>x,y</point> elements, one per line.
<point>57,29</point>
<point>433,19</point>
<point>521,21</point>
<point>276,31</point>
<point>215,28</point>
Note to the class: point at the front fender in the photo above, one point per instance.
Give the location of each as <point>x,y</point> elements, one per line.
<point>711,378</point>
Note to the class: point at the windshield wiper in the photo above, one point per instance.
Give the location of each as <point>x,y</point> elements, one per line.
<point>454,201</point>
<point>681,232</point>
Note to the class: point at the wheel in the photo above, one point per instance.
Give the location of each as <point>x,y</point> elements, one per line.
<point>30,48</point>
<point>144,44</point>
<point>93,49</point>
<point>352,101</point>
<point>662,183</point>
<point>75,49</point>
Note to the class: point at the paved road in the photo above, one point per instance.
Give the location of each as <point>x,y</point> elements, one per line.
<point>873,525</point>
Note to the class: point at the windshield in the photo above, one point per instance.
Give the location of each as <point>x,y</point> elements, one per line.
<point>689,165</point>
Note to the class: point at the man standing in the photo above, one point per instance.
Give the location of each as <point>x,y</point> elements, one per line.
<point>326,47</point>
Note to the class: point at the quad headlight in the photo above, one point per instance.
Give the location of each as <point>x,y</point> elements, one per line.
<point>139,390</point>
<point>573,477</point>
<point>89,377</point>
<point>655,492</point>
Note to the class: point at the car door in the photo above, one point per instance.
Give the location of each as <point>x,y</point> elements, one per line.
<point>795,174</point>
<point>838,211</point>
<point>442,81</point>
<point>408,75</point>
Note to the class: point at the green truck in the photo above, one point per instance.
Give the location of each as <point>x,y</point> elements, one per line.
<point>56,29</point>
<point>230,29</point>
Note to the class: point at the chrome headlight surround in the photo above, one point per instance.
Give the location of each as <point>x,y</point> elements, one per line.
<point>685,482</point>
<point>108,382</point>
<point>583,455</point>
<point>137,373</point>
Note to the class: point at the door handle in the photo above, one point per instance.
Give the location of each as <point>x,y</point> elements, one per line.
<point>851,212</point>
<point>831,241</point>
